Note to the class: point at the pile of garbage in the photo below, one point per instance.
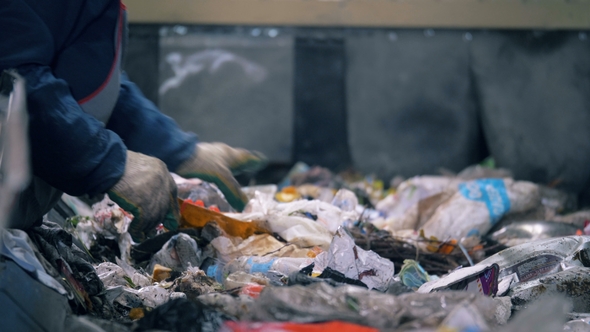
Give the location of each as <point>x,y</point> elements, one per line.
<point>474,251</point>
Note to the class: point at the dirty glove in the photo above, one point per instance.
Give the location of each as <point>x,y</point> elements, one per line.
<point>148,191</point>
<point>217,163</point>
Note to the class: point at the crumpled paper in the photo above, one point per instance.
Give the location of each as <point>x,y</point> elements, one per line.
<point>355,263</point>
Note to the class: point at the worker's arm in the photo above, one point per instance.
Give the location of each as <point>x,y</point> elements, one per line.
<point>145,129</point>
<point>70,149</point>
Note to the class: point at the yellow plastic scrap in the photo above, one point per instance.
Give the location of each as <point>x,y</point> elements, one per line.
<point>161,273</point>
<point>287,194</point>
<point>193,216</point>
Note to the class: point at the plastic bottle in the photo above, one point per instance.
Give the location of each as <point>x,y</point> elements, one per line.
<point>253,264</point>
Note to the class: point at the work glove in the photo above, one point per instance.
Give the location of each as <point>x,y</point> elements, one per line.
<point>218,163</point>
<point>148,191</point>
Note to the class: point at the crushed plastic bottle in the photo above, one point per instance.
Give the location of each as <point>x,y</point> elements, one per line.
<point>256,264</point>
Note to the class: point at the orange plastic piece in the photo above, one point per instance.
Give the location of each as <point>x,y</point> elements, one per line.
<point>447,247</point>
<point>195,216</point>
<point>334,326</point>
<point>252,290</point>
<point>136,313</point>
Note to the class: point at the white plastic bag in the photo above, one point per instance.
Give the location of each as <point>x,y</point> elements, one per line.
<point>479,205</point>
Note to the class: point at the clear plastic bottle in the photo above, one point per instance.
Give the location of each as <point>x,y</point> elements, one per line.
<point>253,264</point>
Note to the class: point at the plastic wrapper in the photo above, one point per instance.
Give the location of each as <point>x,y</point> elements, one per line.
<point>478,206</point>
<point>194,283</point>
<point>240,279</point>
<point>321,302</point>
<point>227,248</point>
<point>110,221</point>
<point>572,283</point>
<point>179,253</point>
<point>481,279</point>
<point>328,215</point>
<point>301,231</point>
<point>195,189</point>
<point>523,263</point>
<point>412,274</point>
<point>346,257</point>
<point>303,223</point>
<point>254,264</point>
<point>540,258</point>
<point>150,296</point>
<point>113,275</point>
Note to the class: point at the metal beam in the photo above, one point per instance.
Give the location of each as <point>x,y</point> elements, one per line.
<point>496,14</point>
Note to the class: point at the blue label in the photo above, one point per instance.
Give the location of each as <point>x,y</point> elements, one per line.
<point>215,272</point>
<point>259,267</point>
<point>492,192</point>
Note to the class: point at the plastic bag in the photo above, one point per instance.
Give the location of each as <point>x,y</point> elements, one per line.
<point>321,302</point>
<point>179,253</point>
<point>110,221</point>
<point>113,275</point>
<point>479,205</point>
<point>414,202</point>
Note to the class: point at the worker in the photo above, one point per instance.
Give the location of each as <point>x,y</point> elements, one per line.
<point>91,130</point>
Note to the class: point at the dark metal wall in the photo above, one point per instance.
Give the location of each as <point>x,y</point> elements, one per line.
<point>390,102</point>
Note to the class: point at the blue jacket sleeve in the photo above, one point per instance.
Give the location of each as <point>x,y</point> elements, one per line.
<point>145,129</point>
<point>70,149</point>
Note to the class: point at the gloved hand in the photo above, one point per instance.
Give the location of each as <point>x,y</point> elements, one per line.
<point>217,163</point>
<point>148,191</point>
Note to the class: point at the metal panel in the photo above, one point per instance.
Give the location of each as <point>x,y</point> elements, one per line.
<point>233,86</point>
<point>411,107</point>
